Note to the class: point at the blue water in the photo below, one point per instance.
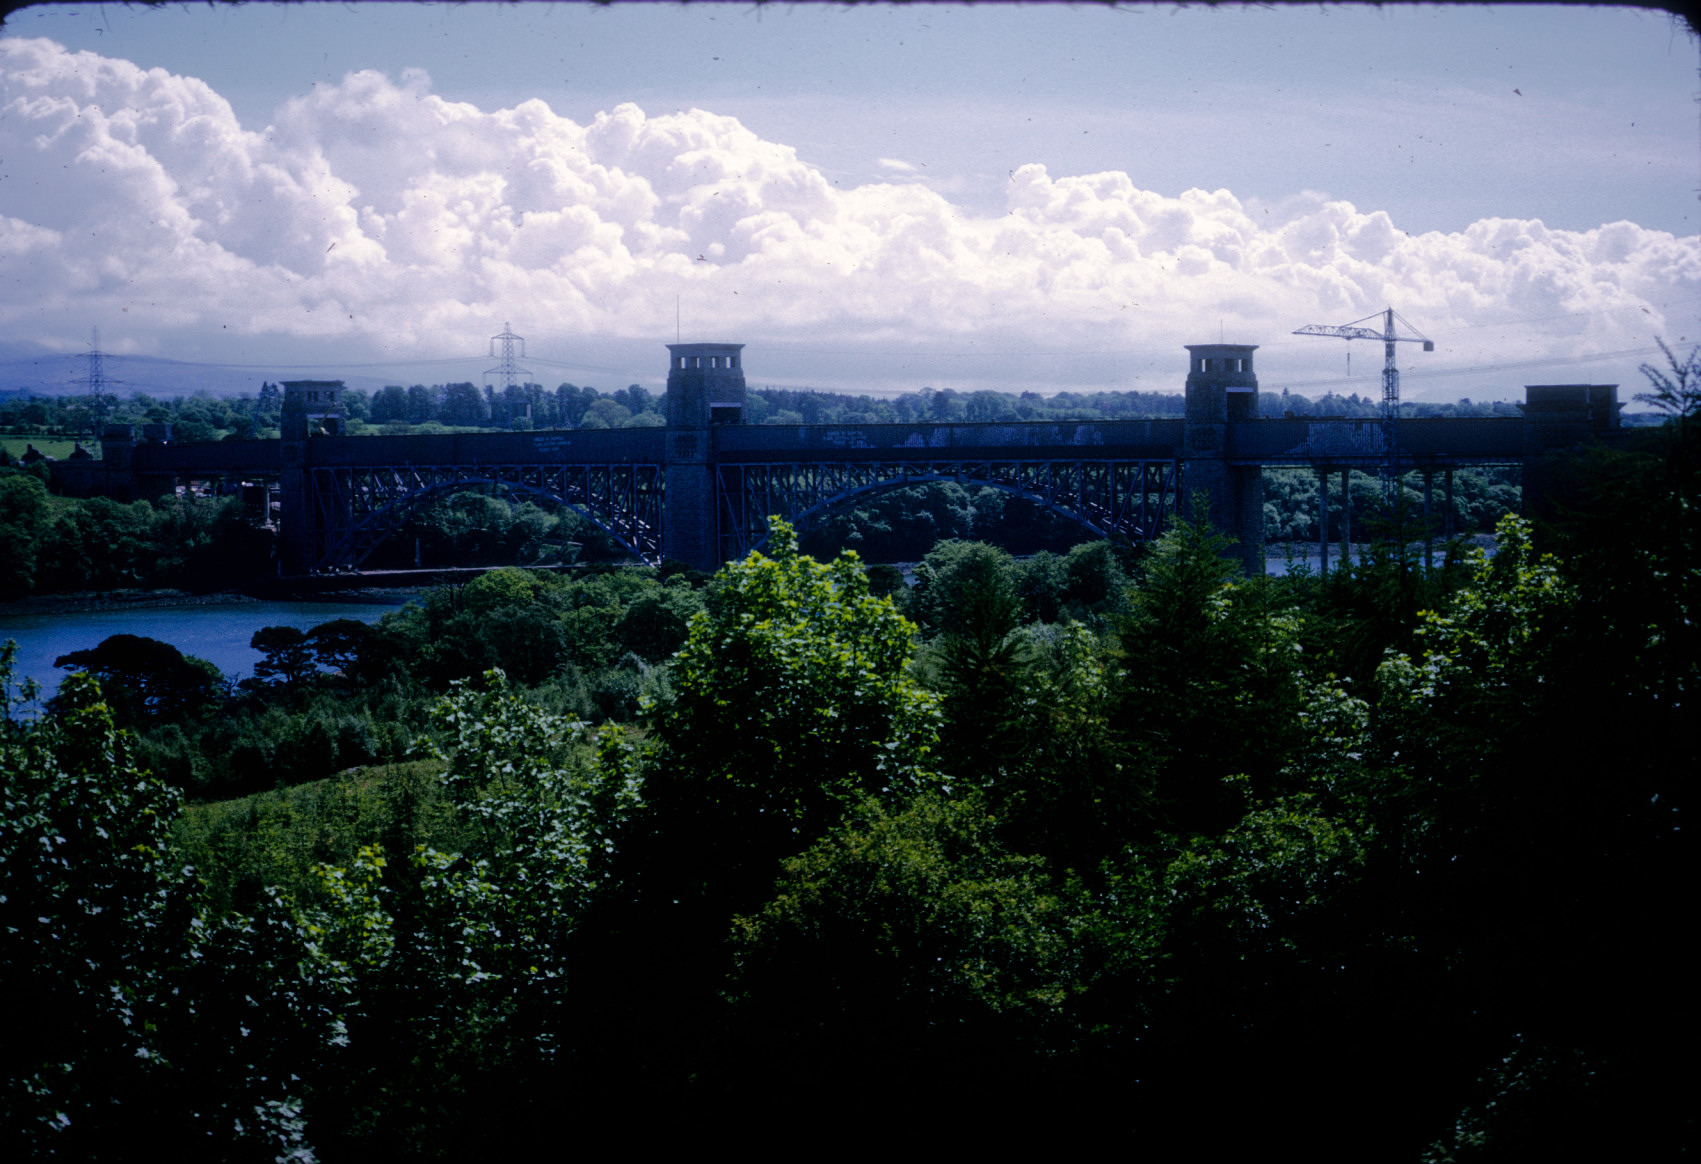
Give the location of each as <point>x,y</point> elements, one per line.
<point>1276,567</point>
<point>1276,564</point>
<point>219,634</point>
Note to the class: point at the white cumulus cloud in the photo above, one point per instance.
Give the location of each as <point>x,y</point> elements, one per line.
<point>375,210</point>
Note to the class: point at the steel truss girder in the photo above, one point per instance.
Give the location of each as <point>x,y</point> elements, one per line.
<point>354,508</point>
<point>1132,498</point>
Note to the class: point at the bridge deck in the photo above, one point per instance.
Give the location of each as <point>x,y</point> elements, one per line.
<point>1305,441</point>
<point>1040,440</point>
<point>1358,443</point>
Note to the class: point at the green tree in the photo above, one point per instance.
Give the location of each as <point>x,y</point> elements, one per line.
<point>543,819</point>
<point>792,704</point>
<point>98,544</point>
<point>24,518</point>
<point>288,655</point>
<point>959,585</point>
<point>1533,762</point>
<point>463,404</point>
<point>465,1007</point>
<point>909,952</point>
<point>655,626</point>
<point>93,917</point>
<point>1677,391</point>
<point>147,681</point>
<point>986,673</point>
<point>1095,582</point>
<point>337,645</point>
<point>1070,787</point>
<point>1211,685</point>
<point>605,412</point>
<point>390,405</point>
<point>792,698</point>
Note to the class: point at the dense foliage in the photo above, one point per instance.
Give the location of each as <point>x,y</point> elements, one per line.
<point>1383,865</point>
<point>55,544</point>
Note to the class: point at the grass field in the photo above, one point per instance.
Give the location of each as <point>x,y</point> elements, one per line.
<point>16,446</point>
<point>276,838</point>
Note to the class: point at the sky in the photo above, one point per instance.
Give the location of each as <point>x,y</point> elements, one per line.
<point>870,197</point>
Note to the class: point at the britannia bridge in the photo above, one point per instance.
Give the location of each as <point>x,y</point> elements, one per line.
<point>701,489</point>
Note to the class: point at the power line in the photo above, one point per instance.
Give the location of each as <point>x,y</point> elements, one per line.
<point>1435,373</point>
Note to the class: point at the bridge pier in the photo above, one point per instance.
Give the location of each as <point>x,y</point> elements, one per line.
<point>1428,494</point>
<point>1221,391</point>
<point>1323,521</point>
<point>310,408</point>
<point>1559,418</point>
<point>1346,518</point>
<point>705,389</point>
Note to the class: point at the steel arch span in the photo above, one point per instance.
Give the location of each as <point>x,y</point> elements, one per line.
<point>356,507</point>
<point>1131,497</point>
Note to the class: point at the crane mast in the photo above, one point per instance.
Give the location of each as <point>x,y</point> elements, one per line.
<point>1390,373</point>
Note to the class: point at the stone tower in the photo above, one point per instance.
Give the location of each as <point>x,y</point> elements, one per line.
<point>705,388</point>
<point>1221,390</point>
<point>1559,421</point>
<point>312,408</point>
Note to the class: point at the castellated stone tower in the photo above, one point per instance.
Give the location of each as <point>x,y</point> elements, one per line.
<point>312,408</point>
<point>1222,389</point>
<point>705,388</point>
<point>705,385</point>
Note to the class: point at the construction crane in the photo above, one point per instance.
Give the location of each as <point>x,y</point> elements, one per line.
<point>1390,373</point>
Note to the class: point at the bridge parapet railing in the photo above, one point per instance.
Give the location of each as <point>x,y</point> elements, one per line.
<point>257,457</point>
<point>1359,441</point>
<point>562,446</point>
<point>758,443</point>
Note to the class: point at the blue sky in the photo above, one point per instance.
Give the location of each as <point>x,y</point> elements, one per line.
<point>993,195</point>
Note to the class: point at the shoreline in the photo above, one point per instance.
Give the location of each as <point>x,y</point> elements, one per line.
<point>1307,552</point>
<point>93,601</point>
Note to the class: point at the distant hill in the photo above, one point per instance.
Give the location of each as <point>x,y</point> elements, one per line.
<point>23,370</point>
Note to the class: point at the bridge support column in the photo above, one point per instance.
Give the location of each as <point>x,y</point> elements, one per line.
<point>1222,390</point>
<point>295,511</point>
<point>705,388</point>
<point>1559,417</point>
<point>1323,521</point>
<point>1346,518</point>
<point>688,523</point>
<point>1428,491</point>
<point>1447,519</point>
